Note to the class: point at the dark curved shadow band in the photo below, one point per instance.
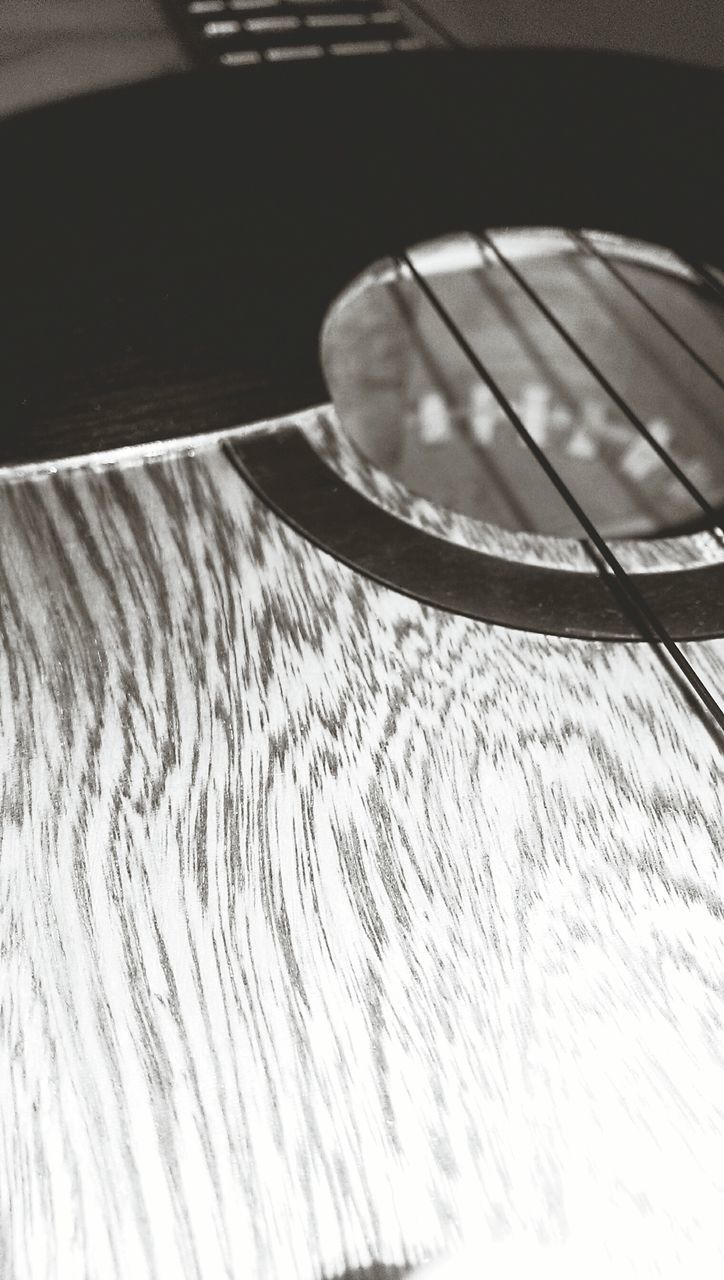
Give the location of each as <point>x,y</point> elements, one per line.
<point>284,470</point>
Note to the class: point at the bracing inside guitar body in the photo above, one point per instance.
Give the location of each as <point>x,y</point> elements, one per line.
<point>362,805</point>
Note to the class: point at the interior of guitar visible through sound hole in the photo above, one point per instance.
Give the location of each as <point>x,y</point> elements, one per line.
<point>650,326</point>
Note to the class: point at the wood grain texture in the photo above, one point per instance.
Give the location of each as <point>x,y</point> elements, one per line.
<point>334,928</point>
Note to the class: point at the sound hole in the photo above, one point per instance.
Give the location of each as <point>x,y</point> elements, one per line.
<point>650,326</point>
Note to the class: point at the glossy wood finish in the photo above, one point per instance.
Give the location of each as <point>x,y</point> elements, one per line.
<point>335,927</point>
<point>289,475</point>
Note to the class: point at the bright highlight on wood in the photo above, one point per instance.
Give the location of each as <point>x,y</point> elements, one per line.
<point>335,928</point>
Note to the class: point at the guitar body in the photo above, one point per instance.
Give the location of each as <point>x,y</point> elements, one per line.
<point>337,927</point>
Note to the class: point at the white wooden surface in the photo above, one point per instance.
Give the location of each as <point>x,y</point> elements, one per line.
<point>333,927</point>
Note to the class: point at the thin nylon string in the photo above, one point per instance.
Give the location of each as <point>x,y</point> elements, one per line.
<point>513,501</point>
<point>602,380</point>
<point>615,465</point>
<point>646,618</point>
<point>587,247</point>
<point>705,274</point>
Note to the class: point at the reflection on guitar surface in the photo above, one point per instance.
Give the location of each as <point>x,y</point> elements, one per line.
<point>362,822</point>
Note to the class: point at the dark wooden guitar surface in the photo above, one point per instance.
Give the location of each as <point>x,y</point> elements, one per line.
<point>336,930</point>
<point>52,50</point>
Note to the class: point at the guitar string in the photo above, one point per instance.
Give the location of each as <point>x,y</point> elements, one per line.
<point>692,393</point>
<point>646,618</point>
<point>485,241</point>
<point>588,248</point>
<point>714,283</point>
<point>608,457</point>
<point>514,502</point>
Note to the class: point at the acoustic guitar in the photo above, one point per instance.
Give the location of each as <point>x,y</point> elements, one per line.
<point>361,884</point>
